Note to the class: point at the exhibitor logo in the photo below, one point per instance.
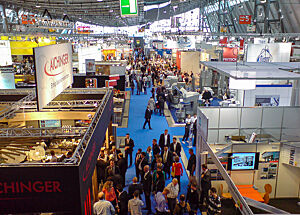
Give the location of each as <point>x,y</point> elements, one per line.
<point>53,66</point>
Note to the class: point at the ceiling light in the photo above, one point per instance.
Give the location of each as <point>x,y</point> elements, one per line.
<point>99,0</point>
<point>111,11</point>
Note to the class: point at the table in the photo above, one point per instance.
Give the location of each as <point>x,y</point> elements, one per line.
<point>249,192</point>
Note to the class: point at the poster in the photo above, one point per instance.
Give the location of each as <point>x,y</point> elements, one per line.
<point>268,165</point>
<point>267,101</point>
<point>90,66</point>
<point>270,52</point>
<point>54,72</point>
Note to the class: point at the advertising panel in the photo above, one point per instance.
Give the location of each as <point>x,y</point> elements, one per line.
<point>5,58</point>
<point>271,52</point>
<point>89,158</point>
<point>230,54</point>
<point>39,189</point>
<point>54,71</point>
<point>90,66</point>
<point>128,8</point>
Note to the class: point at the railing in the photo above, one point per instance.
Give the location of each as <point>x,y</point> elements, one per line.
<point>42,132</point>
<point>86,138</point>
<point>9,111</point>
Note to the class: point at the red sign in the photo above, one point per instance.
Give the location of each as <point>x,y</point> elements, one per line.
<point>55,63</point>
<point>28,19</point>
<point>245,19</point>
<point>230,54</point>
<point>223,41</point>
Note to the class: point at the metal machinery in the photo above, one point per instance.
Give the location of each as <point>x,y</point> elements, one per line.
<point>183,101</point>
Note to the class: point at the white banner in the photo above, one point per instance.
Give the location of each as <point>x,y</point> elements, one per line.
<point>270,52</point>
<point>54,71</point>
<point>5,57</point>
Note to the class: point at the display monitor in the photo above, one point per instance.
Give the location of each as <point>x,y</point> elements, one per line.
<point>50,123</point>
<point>243,161</point>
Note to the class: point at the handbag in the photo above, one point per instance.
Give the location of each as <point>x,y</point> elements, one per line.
<point>173,170</point>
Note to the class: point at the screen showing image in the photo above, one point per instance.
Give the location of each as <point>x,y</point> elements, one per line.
<point>244,161</point>
<point>50,123</point>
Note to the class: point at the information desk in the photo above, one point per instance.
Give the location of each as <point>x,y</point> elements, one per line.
<point>250,192</point>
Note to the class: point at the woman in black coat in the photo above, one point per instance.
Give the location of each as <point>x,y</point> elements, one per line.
<point>159,184</point>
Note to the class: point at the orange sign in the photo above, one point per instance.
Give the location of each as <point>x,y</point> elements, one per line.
<point>28,19</point>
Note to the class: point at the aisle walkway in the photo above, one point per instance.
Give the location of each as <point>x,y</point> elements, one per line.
<point>143,138</point>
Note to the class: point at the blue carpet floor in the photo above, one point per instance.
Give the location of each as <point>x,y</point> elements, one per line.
<point>143,137</point>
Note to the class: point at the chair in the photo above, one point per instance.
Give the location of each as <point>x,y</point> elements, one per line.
<point>268,190</point>
<point>224,195</point>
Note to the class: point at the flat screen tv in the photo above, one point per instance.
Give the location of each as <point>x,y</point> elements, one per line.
<point>243,161</point>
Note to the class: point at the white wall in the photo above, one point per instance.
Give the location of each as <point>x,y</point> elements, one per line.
<point>285,94</point>
<point>91,52</point>
<point>190,61</point>
<point>5,56</point>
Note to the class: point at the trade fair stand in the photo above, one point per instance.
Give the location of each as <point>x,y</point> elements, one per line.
<point>251,84</point>
<point>241,170</point>
<point>54,185</point>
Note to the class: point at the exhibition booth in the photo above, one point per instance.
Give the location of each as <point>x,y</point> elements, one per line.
<point>251,83</point>
<point>250,169</point>
<point>81,129</point>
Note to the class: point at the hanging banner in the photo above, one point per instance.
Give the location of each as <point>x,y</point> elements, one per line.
<point>54,71</point>
<point>245,19</point>
<point>269,52</point>
<point>128,8</point>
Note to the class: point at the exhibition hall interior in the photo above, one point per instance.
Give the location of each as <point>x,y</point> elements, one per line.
<point>135,107</point>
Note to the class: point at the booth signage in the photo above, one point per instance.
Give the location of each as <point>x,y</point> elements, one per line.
<point>45,22</point>
<point>54,71</point>
<point>230,54</point>
<point>128,8</point>
<point>90,66</point>
<point>39,189</point>
<point>245,19</point>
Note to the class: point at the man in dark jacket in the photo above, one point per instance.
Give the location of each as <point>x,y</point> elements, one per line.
<point>122,164</point>
<point>138,157</point>
<point>129,144</point>
<point>167,159</point>
<point>133,187</point>
<point>122,200</point>
<point>112,169</point>
<point>147,183</point>
<point>142,163</point>
<point>164,140</point>
<point>205,184</point>
<point>175,147</point>
<point>192,162</point>
<point>101,165</point>
<point>161,104</point>
<point>155,147</point>
<point>147,117</point>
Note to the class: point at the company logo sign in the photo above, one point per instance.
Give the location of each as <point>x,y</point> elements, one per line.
<point>265,55</point>
<point>30,187</point>
<point>55,63</point>
<point>245,19</point>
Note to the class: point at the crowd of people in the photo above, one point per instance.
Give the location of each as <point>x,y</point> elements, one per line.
<point>155,166</point>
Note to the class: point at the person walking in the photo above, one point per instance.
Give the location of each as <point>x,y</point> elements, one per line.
<point>147,118</point>
<point>103,207</point>
<point>151,104</point>
<point>177,170</point>
<point>129,145</point>
<point>149,155</point>
<point>135,204</point>
<point>173,187</point>
<point>155,147</point>
<point>192,195</point>
<point>147,183</point>
<point>188,122</point>
<point>161,104</point>
<point>192,162</point>
<point>205,184</point>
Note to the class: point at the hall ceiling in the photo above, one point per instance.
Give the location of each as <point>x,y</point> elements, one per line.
<point>104,13</point>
